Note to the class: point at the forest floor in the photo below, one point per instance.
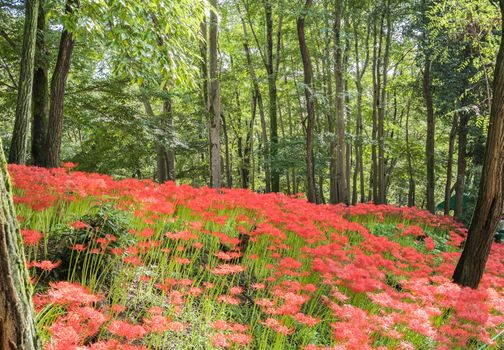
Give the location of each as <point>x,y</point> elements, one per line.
<point>131,264</point>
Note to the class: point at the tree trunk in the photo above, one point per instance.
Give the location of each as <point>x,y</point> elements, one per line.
<point>451,146</point>
<point>489,206</point>
<point>40,93</point>
<point>17,317</point>
<point>169,130</point>
<point>429,105</point>
<point>58,86</point>
<point>214,100</point>
<point>24,98</point>
<point>461,164</point>
<point>272,70</point>
<point>258,102</point>
<point>229,174</point>
<point>381,176</point>
<point>411,187</point>
<point>341,180</point>
<point>310,104</point>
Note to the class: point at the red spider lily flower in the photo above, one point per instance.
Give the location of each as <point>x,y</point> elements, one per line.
<point>45,265</point>
<point>78,247</point>
<point>182,261</point>
<point>198,245</point>
<point>116,308</point>
<point>182,235</point>
<point>235,290</point>
<point>68,165</point>
<point>228,256</point>
<point>258,286</point>
<point>127,330</point>
<point>306,319</point>
<point>226,269</point>
<point>31,237</point>
<point>228,299</point>
<point>429,244</point>
<point>79,225</point>
<point>66,293</point>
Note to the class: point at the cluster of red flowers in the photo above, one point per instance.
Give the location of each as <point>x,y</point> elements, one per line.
<point>293,265</point>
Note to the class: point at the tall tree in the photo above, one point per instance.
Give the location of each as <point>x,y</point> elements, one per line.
<point>489,207</point>
<point>310,103</point>
<point>429,105</point>
<point>338,191</point>
<point>40,93</point>
<point>17,317</point>
<point>214,106</point>
<point>19,141</point>
<point>58,87</point>
<point>272,63</point>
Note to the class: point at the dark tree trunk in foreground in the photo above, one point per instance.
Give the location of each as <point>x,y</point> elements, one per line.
<point>17,318</point>
<point>489,206</point>
<point>214,100</point>
<point>58,86</point>
<point>24,98</point>
<point>40,93</point>
<point>310,104</point>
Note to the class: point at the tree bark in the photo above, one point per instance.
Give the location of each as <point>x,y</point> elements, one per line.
<point>411,187</point>
<point>381,176</point>
<point>17,153</point>
<point>449,166</point>
<point>310,104</point>
<point>214,100</point>
<point>17,317</point>
<point>40,92</point>
<point>229,174</point>
<point>272,70</point>
<point>258,102</point>
<point>461,164</point>
<point>429,105</point>
<point>340,186</point>
<point>58,86</point>
<point>489,206</point>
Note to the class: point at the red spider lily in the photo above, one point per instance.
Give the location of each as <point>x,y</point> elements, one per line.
<point>225,269</point>
<point>31,237</point>
<point>127,330</point>
<point>45,265</point>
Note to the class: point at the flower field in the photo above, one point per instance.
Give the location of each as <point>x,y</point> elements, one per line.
<point>132,264</point>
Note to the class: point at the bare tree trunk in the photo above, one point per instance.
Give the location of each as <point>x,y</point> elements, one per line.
<point>58,86</point>
<point>461,164</point>
<point>341,180</point>
<point>451,147</point>
<point>17,317</point>
<point>310,104</point>
<point>381,176</point>
<point>169,130</point>
<point>272,69</point>
<point>377,43</point>
<point>214,100</point>
<point>429,104</point>
<point>24,98</point>
<point>490,202</point>
<point>229,174</point>
<point>40,92</point>
<point>411,188</point>
<point>258,102</point>
<point>360,71</point>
